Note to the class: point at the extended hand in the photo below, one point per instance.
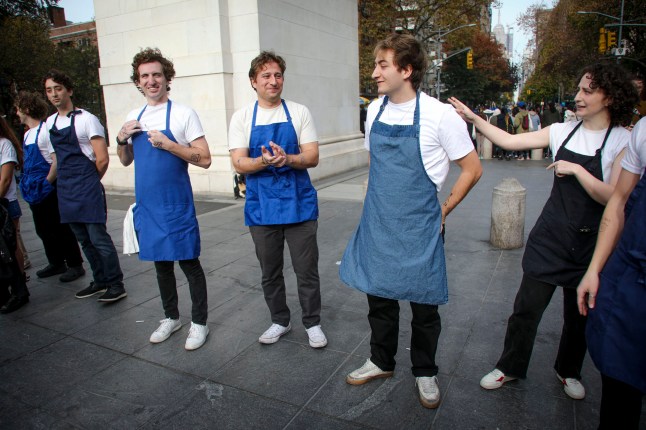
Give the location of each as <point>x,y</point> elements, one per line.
<point>562,168</point>
<point>462,110</point>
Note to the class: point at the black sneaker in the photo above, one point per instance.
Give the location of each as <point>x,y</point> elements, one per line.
<point>90,291</point>
<point>51,270</point>
<point>72,274</point>
<point>113,294</point>
<point>14,304</point>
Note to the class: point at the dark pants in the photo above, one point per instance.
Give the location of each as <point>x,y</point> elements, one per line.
<point>383,316</point>
<point>196,285</point>
<point>304,251</point>
<point>17,283</point>
<point>532,299</point>
<point>100,253</point>
<point>621,405</point>
<point>58,240</point>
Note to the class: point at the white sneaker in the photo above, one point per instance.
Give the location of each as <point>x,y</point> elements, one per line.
<point>168,326</point>
<point>317,337</point>
<point>572,387</point>
<point>366,373</point>
<point>274,333</point>
<point>494,379</point>
<point>196,336</point>
<point>429,392</point>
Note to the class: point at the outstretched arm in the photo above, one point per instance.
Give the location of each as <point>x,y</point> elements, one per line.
<point>510,142</point>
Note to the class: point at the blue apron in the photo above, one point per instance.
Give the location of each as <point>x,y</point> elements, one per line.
<point>164,215</point>
<point>81,197</point>
<point>616,329</point>
<point>278,195</point>
<point>397,251</point>
<point>33,182</point>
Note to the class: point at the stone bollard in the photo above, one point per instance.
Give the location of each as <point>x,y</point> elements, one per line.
<point>508,215</point>
<point>487,149</point>
<point>537,154</point>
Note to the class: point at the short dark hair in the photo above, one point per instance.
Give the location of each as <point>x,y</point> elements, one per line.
<point>32,104</point>
<point>265,57</point>
<point>617,86</point>
<point>151,55</point>
<point>60,78</point>
<point>407,51</point>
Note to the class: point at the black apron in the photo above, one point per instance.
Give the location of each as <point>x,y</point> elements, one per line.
<point>561,244</point>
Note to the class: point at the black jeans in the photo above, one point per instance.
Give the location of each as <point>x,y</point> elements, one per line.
<point>426,325</point>
<point>196,284</point>
<point>621,405</point>
<point>532,299</point>
<point>304,251</point>
<point>58,240</point>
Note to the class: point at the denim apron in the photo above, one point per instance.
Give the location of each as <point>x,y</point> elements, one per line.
<point>278,195</point>
<point>81,198</point>
<point>560,245</point>
<point>616,329</point>
<point>397,251</point>
<point>33,182</point>
<point>164,215</point>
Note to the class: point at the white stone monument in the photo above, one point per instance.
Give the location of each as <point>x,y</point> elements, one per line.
<point>211,43</point>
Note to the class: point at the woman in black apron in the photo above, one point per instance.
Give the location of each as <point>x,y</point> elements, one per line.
<point>560,245</point>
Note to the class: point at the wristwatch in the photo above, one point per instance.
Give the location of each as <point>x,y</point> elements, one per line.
<point>120,143</point>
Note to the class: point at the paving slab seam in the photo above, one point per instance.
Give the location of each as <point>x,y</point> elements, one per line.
<point>329,378</point>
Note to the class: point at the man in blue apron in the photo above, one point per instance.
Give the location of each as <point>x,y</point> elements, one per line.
<point>613,293</point>
<point>162,138</point>
<point>38,187</point>
<point>397,251</point>
<point>273,141</point>
<point>78,139</point>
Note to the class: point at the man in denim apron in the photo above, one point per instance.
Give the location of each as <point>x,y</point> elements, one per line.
<point>78,139</point>
<point>273,141</point>
<point>397,251</point>
<point>162,138</point>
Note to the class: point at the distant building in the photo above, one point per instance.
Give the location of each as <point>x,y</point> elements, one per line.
<point>70,33</point>
<point>505,38</point>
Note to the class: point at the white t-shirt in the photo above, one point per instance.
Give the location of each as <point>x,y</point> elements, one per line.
<point>586,142</point>
<point>43,141</point>
<point>443,134</point>
<point>240,127</point>
<point>86,126</point>
<point>635,159</point>
<point>184,122</point>
<point>8,155</point>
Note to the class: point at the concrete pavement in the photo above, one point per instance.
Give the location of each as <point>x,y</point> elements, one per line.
<point>70,363</point>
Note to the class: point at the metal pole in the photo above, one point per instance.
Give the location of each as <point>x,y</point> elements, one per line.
<point>621,26</point>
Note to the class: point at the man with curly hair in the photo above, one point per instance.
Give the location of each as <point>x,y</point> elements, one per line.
<point>38,187</point>
<point>162,138</point>
<point>78,139</point>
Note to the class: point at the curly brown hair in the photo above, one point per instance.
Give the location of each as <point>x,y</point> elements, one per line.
<point>151,55</point>
<point>7,133</point>
<point>266,57</point>
<point>407,51</point>
<point>32,104</point>
<point>617,86</point>
<point>60,78</point>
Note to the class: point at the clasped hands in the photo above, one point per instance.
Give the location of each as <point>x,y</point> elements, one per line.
<point>278,159</point>
<point>129,128</point>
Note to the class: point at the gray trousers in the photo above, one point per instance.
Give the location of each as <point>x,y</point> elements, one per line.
<point>303,249</point>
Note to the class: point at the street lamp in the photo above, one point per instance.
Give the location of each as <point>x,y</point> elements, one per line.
<point>440,34</point>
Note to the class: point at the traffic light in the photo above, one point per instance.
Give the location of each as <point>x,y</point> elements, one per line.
<point>612,38</point>
<point>602,41</point>
<point>470,59</point>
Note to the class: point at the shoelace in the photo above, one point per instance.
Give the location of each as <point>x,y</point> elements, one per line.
<point>194,331</point>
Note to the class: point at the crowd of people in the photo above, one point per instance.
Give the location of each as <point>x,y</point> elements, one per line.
<point>588,239</point>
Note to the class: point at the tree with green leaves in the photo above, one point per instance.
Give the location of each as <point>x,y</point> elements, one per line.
<point>29,8</point>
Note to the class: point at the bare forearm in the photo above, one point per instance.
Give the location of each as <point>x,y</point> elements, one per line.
<point>612,224</point>
<point>245,165</point>
<point>469,176</point>
<point>102,166</point>
<point>126,154</point>
<point>597,189</point>
<point>51,175</point>
<point>304,160</point>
